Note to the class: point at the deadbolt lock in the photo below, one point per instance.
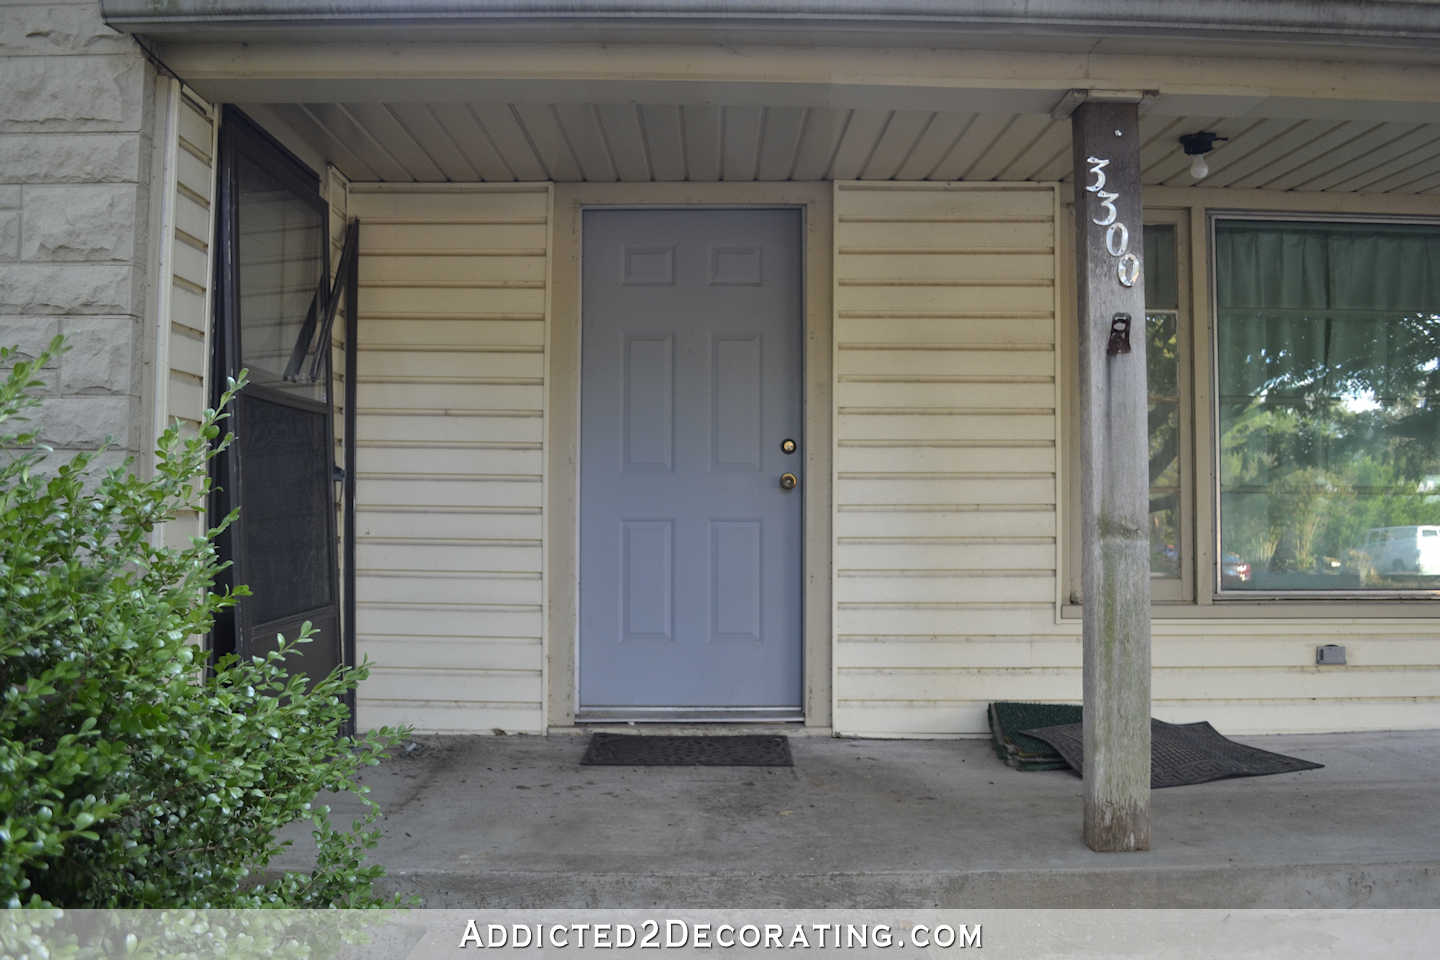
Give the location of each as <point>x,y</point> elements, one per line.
<point>788,481</point>
<point>787,446</point>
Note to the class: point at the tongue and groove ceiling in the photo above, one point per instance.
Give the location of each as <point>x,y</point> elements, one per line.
<point>438,142</point>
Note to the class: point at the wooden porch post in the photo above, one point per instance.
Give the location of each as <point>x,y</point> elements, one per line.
<point>1114,475</point>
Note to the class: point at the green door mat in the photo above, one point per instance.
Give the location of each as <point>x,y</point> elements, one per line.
<point>1012,745</point>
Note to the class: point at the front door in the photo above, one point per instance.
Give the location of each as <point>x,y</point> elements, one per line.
<point>691,385</point>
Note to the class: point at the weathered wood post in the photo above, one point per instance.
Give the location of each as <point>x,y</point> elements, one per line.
<point>1114,474</point>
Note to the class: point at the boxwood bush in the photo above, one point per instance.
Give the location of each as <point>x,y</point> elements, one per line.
<point>134,773</point>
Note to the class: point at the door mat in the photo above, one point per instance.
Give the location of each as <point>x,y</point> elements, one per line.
<point>1182,753</point>
<point>1014,747</point>
<point>633,750</point>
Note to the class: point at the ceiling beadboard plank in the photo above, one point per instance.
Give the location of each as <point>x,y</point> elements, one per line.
<point>435,140</point>
<point>1053,141</point>
<point>664,140</point>
<point>740,140</point>
<point>823,129</point>
<point>1407,180</point>
<point>702,143</point>
<point>897,143</point>
<point>1279,148</point>
<point>581,130</point>
<point>1417,139</point>
<point>971,145</point>
<point>381,120</point>
<point>1177,164</point>
<point>471,140</point>
<point>779,142</point>
<point>344,127</point>
<point>1376,139</point>
<point>1401,164</point>
<point>861,135</point>
<point>1236,151</point>
<point>499,124</point>
<point>1010,146</point>
<point>1162,138</point>
<point>933,144</point>
<point>620,125</point>
<point>1317,148</point>
<point>543,129</point>
<point>1426,185</point>
<point>328,144</point>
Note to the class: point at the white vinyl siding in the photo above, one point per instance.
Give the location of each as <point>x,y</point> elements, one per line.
<point>450,425</point>
<point>945,465</point>
<point>183,339</point>
<point>946,512</point>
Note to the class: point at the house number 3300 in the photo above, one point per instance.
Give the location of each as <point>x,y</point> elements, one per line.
<point>1117,235</point>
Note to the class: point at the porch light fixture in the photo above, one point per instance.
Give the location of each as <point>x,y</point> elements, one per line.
<point>1196,145</point>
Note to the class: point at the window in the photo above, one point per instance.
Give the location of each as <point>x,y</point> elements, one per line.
<point>1327,357</point>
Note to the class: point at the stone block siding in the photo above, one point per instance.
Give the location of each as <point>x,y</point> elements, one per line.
<point>76,139</point>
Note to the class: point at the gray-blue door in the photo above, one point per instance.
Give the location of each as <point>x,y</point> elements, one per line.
<point>691,382</point>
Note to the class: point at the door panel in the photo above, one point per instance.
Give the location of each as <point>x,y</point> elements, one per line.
<point>690,550</point>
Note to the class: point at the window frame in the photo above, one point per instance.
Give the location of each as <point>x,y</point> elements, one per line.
<point>1217,593</point>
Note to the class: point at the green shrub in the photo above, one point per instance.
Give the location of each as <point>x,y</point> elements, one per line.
<point>131,775</point>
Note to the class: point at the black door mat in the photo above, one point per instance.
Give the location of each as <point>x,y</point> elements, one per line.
<point>1014,747</point>
<point>633,750</point>
<point>1182,753</point>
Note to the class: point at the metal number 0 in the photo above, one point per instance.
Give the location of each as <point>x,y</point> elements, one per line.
<point>1117,236</point>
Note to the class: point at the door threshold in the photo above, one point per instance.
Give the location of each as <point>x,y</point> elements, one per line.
<point>695,715</point>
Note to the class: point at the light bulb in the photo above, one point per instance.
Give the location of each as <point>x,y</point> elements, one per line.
<point>1199,169</point>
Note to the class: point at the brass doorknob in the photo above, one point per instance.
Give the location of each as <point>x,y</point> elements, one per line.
<point>788,481</point>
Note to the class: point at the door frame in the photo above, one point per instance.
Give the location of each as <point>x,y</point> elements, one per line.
<point>562,498</point>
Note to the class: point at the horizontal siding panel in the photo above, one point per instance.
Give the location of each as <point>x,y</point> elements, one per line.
<point>475,363</point>
<point>446,524</point>
<point>192,218</point>
<point>429,555</point>
<point>443,653</point>
<point>1036,490</point>
<point>455,683</point>
<point>447,621</point>
<point>945,201</point>
<point>1019,332</point>
<point>904,720</point>
<point>382,427</point>
<point>477,301</point>
<point>924,393</point>
<point>185,396</point>
<point>1058,651</point>
<point>942,237</point>
<point>459,332</point>
<point>445,206</point>
<point>419,394</point>
<point>881,458</point>
<point>405,491</point>
<point>931,523</point>
<point>485,237</point>
<point>399,458</point>
<point>451,268</point>
<point>187,351</point>
<point>958,426</point>
<point>934,557</point>
<point>391,586</point>
<point>188,308</point>
<point>948,590</point>
<point>446,717</point>
<point>898,364</point>
<point>941,619</point>
<point>194,173</point>
<point>946,268</point>
<point>953,300</point>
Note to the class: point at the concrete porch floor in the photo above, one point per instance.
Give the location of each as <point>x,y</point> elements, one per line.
<point>517,822</point>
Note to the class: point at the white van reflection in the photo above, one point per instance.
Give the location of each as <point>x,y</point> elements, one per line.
<point>1413,550</point>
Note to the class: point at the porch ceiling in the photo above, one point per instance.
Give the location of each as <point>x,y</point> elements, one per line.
<point>601,142</point>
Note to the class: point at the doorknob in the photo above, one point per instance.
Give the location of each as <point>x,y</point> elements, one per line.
<point>788,481</point>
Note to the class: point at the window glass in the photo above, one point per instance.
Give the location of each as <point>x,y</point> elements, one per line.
<point>1328,361</point>
<point>1163,371</point>
<point>281,266</point>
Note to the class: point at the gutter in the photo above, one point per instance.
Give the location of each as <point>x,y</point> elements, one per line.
<point>1368,22</point>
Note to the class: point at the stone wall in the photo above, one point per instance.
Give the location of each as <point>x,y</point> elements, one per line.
<point>76,121</point>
